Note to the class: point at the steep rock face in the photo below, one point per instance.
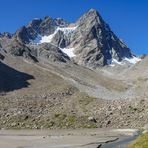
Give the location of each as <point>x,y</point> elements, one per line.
<point>38,27</point>
<point>48,53</point>
<point>89,42</point>
<point>19,44</point>
<point>17,48</point>
<point>61,40</point>
<point>94,42</point>
<point>2,56</point>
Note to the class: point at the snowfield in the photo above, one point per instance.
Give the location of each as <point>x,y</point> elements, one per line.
<point>48,39</point>
<point>132,60</point>
<point>68,51</point>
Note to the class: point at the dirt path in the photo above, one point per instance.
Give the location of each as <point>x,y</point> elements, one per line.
<point>60,138</point>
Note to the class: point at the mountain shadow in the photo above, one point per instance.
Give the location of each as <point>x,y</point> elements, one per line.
<point>11,79</point>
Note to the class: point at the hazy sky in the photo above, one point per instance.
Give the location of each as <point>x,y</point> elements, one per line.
<point>127,18</point>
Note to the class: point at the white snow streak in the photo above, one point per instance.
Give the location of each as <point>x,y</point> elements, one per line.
<point>68,51</point>
<point>67,30</point>
<point>47,39</point>
<point>117,62</point>
<point>133,60</point>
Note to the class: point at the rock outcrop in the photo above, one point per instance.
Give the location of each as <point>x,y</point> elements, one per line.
<point>89,42</point>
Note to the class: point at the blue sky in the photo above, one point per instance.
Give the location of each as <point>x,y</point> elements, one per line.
<point>127,18</point>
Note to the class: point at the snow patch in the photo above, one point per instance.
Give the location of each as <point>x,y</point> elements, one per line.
<point>67,30</point>
<point>68,51</point>
<point>47,39</point>
<point>117,62</point>
<point>112,65</point>
<point>132,60</point>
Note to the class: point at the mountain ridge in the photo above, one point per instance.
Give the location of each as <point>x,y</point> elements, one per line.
<point>89,40</point>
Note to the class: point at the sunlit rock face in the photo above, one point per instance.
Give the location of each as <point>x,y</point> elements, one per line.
<point>88,42</point>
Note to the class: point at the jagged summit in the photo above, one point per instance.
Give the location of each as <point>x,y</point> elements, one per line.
<point>92,12</point>
<point>6,34</point>
<point>91,15</point>
<point>89,41</point>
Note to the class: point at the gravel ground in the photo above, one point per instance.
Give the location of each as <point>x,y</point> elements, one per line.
<point>61,138</point>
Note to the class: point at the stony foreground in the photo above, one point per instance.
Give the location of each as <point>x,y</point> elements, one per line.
<point>85,112</point>
<point>43,98</point>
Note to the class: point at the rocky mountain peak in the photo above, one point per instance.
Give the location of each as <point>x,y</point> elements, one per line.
<point>35,23</point>
<point>22,35</point>
<point>91,13</point>
<point>6,34</point>
<point>89,41</point>
<point>92,16</point>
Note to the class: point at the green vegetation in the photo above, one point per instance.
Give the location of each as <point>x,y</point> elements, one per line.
<point>141,142</point>
<point>83,100</point>
<point>67,118</point>
<point>71,121</point>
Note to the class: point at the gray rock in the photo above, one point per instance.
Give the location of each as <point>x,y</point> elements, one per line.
<point>37,27</point>
<point>95,44</point>
<point>19,49</point>
<point>48,53</point>
<point>93,41</point>
<point>145,127</point>
<point>92,119</point>
<point>2,56</point>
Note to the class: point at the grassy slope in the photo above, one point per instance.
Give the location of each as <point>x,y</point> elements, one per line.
<point>141,142</point>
